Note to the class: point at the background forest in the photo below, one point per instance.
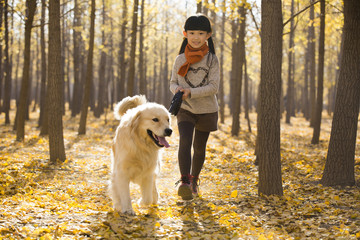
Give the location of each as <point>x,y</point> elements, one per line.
<point>134,50</point>
<point>289,94</point>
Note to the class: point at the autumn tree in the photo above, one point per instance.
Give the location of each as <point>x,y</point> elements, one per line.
<point>102,80</point>
<point>340,161</point>
<point>246,94</point>
<point>142,80</point>
<point>131,77</point>
<point>312,70</point>
<point>89,72</point>
<point>290,86</point>
<point>268,141</point>
<point>76,98</point>
<point>43,119</point>
<point>8,67</point>
<point>1,65</point>
<point>221,94</point>
<point>199,6</point>
<point>237,83</point>
<point>320,77</point>
<point>24,93</point>
<point>55,86</point>
<point>122,66</point>
<point>234,67</point>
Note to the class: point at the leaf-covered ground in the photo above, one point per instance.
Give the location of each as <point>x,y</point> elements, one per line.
<point>70,200</point>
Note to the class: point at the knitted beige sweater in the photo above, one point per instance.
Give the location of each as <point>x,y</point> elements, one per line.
<point>203,79</point>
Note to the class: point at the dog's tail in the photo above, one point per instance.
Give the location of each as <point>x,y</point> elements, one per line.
<point>128,103</point>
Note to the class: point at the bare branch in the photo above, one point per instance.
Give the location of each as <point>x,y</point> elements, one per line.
<point>298,13</point>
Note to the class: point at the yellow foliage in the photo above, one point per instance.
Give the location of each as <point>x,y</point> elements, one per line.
<point>70,200</point>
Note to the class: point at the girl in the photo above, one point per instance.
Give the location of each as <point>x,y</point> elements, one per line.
<point>196,74</point>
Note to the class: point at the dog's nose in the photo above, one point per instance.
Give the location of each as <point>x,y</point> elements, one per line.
<point>168,132</point>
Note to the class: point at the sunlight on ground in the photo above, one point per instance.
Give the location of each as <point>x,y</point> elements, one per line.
<point>70,200</point>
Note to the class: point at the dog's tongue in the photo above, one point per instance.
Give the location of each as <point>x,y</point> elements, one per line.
<point>163,141</point>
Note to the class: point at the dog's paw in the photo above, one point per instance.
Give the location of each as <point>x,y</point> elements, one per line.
<point>155,198</point>
<point>143,202</point>
<point>128,212</point>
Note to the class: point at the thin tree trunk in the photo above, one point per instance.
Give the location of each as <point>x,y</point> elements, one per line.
<point>110,93</point>
<point>246,94</point>
<point>306,106</point>
<point>199,7</point>
<point>312,66</point>
<point>339,167</point>
<point>122,65</point>
<point>2,6</point>
<point>234,67</point>
<point>77,92</point>
<point>55,86</point>
<point>37,77</point>
<point>102,71</point>
<point>131,78</point>
<point>290,86</point>
<point>221,87</point>
<point>166,92</point>
<point>8,68</point>
<point>63,55</point>
<point>24,92</point>
<point>268,141</point>
<point>319,102</point>
<point>89,73</point>
<point>43,70</point>
<point>235,128</point>
<point>205,7</point>
<point>142,80</point>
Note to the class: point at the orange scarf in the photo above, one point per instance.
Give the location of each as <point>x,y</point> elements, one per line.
<point>192,55</point>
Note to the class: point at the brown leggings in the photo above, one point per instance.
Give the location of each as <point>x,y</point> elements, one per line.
<point>186,131</point>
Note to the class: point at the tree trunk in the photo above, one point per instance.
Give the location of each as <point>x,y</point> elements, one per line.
<point>205,7</point>
<point>76,99</point>
<point>199,7</point>
<point>213,20</point>
<point>102,72</point>
<point>246,93</point>
<point>110,86</point>
<point>268,141</point>
<point>339,167</point>
<point>306,106</point>
<point>122,66</point>
<point>312,66</point>
<point>1,56</point>
<point>290,85</point>
<point>142,80</point>
<point>238,83</point>
<point>89,73</point>
<point>234,67</point>
<point>221,87</point>
<point>24,92</point>
<point>64,47</point>
<point>37,76</point>
<point>43,68</point>
<point>8,68</point>
<point>131,78</point>
<point>55,86</point>
<point>319,102</point>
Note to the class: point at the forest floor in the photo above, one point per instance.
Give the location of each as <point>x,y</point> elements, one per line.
<point>70,200</point>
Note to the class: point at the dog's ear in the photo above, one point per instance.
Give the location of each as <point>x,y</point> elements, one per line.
<point>135,121</point>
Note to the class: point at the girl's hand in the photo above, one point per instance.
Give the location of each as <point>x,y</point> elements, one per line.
<point>179,88</point>
<point>187,93</point>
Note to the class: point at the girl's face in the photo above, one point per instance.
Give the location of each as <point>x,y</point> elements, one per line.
<point>196,38</point>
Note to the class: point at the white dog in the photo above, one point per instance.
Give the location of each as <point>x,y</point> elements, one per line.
<point>135,151</point>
